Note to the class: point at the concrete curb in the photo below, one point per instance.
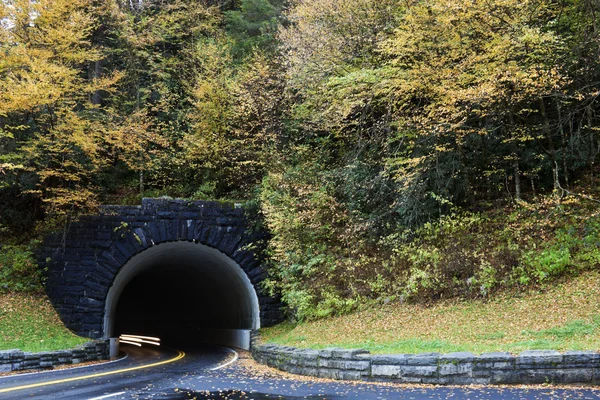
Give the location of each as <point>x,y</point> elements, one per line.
<point>529,367</point>
<point>17,360</point>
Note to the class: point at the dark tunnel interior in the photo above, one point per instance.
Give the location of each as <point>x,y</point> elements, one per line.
<point>182,294</point>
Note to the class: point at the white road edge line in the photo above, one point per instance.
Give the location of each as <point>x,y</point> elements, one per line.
<point>229,362</point>
<point>65,369</point>
<point>107,396</point>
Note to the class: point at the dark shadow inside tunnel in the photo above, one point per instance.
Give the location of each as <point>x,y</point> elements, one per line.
<point>185,293</point>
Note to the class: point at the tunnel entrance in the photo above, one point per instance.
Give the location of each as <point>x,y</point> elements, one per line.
<point>184,293</point>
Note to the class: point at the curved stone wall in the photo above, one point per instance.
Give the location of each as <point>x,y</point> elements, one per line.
<point>529,367</point>
<point>17,360</point>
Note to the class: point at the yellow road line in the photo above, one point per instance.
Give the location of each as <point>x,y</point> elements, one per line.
<point>79,378</point>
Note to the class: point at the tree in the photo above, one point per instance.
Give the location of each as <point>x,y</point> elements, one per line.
<point>49,127</point>
<point>473,77</point>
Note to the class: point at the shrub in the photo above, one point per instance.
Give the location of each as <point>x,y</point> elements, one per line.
<point>19,271</point>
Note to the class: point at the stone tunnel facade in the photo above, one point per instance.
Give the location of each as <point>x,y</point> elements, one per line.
<point>83,263</point>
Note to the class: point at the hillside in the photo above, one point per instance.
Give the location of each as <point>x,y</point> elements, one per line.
<point>30,323</point>
<point>563,317</point>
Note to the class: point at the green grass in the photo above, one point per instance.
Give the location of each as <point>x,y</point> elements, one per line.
<point>562,317</point>
<point>30,323</point>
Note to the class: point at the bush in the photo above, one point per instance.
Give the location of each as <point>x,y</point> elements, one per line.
<point>19,271</point>
<point>325,263</point>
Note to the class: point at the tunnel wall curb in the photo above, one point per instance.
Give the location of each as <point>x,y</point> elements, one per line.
<point>17,360</point>
<point>528,367</point>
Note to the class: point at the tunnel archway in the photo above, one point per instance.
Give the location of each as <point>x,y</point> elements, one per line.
<point>193,247</point>
<point>183,292</point>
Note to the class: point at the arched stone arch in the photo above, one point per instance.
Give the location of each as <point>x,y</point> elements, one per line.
<point>85,264</point>
<point>240,304</point>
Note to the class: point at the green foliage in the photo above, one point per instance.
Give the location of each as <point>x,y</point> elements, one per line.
<point>19,271</point>
<point>306,223</point>
<point>252,27</point>
<point>574,247</point>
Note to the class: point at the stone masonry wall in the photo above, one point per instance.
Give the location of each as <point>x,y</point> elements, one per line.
<point>529,367</point>
<point>17,360</point>
<point>83,263</point>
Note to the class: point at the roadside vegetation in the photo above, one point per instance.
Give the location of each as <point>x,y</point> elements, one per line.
<point>27,319</point>
<point>564,316</point>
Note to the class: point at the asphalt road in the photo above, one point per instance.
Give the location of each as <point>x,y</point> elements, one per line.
<point>212,373</point>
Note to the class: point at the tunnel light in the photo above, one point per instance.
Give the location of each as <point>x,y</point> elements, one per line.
<point>128,342</point>
<point>139,339</point>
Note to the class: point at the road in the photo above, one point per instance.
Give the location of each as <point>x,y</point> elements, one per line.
<point>216,373</point>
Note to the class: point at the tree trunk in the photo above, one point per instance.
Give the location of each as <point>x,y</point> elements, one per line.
<point>551,147</point>
<point>141,182</point>
<point>97,74</point>
<point>563,143</point>
<point>592,147</point>
<point>515,160</point>
<point>517,175</point>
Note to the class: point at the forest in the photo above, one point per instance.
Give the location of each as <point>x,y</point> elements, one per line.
<point>396,150</point>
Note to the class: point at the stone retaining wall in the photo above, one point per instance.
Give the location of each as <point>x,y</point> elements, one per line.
<point>529,367</point>
<point>17,360</point>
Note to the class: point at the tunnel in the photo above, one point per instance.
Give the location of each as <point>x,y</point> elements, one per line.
<point>184,292</point>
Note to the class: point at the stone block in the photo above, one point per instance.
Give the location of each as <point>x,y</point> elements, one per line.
<point>162,231</point>
<point>309,371</point>
<point>12,354</point>
<point>232,244</point>
<point>308,358</point>
<point>538,359</point>
<point>329,373</point>
<point>581,359</point>
<point>504,377</point>
<point>577,375</point>
<point>411,379</point>
<point>493,361</point>
<point>390,359</point>
<point>64,357</point>
<point>462,368</point>
<point>348,353</point>
<point>5,367</point>
<point>386,371</point>
<point>540,375</point>
<point>462,380</point>
<point>428,359</point>
<point>459,357</point>
<point>140,237</point>
<point>189,215</point>
<point>495,357</point>
<point>165,214</point>
<point>215,236</point>
<point>420,371</point>
<point>436,380</point>
<point>351,375</point>
<point>345,364</point>
<point>328,352</point>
